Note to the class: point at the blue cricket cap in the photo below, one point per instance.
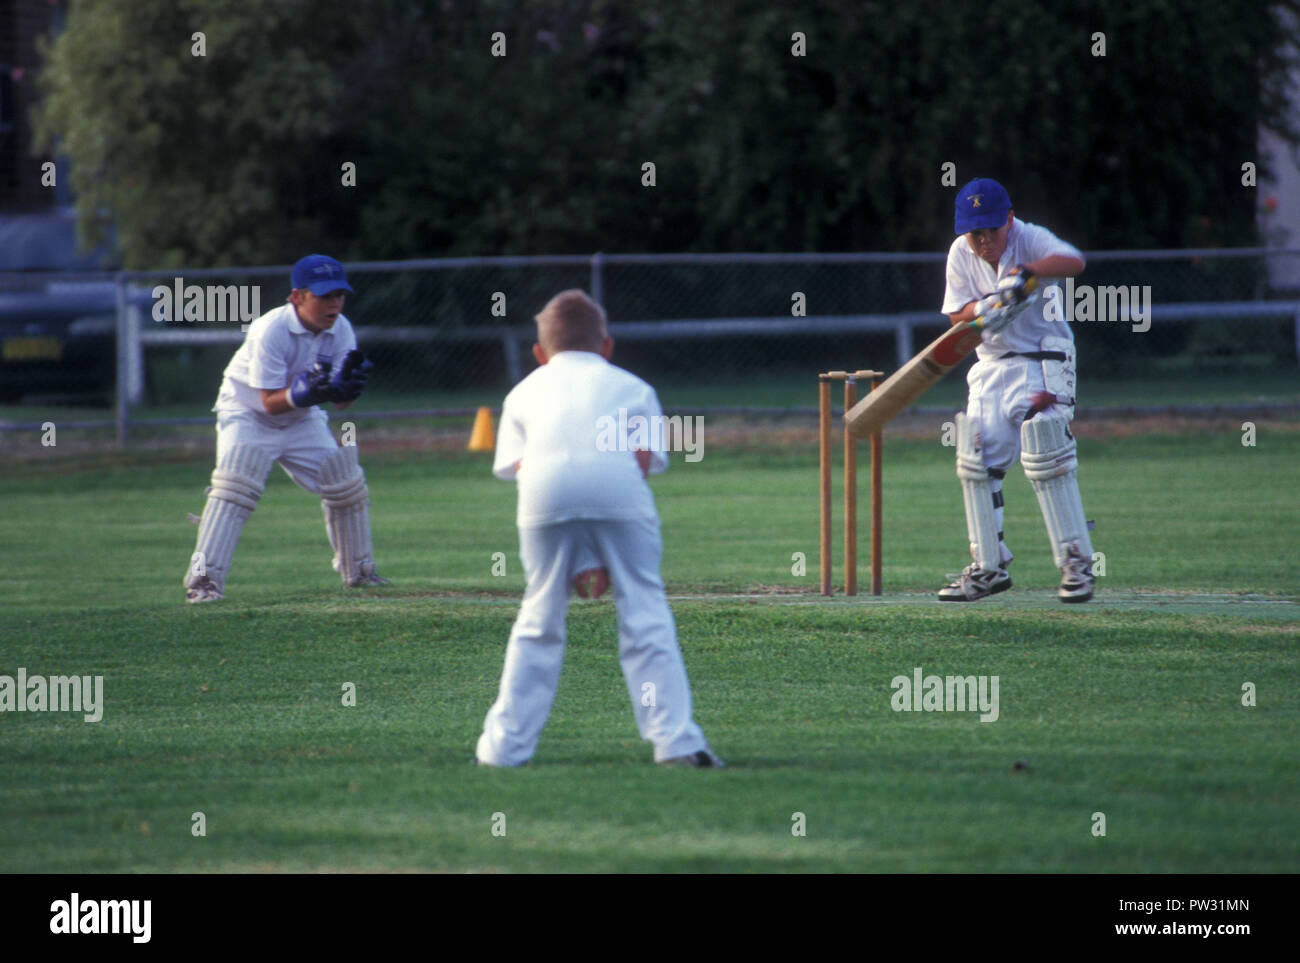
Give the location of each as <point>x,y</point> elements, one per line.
<point>983,203</point>
<point>319,274</point>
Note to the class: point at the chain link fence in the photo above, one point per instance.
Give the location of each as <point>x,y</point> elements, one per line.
<point>448,335</point>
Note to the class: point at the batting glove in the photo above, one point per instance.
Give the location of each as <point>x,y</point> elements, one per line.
<point>985,306</point>
<point>1012,288</point>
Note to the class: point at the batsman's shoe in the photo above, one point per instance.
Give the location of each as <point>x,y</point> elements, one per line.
<point>203,591</point>
<point>704,759</point>
<point>1077,579</point>
<point>975,583</point>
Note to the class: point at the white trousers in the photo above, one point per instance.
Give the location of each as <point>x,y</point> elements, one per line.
<point>298,448</point>
<point>998,402</point>
<point>647,639</point>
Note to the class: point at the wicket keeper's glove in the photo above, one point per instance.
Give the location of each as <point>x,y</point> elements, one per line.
<point>311,387</point>
<point>352,376</point>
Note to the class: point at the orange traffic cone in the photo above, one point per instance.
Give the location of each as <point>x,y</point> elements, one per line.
<point>483,437</point>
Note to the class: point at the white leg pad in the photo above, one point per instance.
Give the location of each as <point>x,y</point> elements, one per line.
<point>237,483</point>
<point>1047,450</point>
<point>977,490</point>
<point>345,500</point>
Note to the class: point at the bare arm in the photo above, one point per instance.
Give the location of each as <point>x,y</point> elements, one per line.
<point>1057,266</point>
<point>965,314</point>
<point>277,402</point>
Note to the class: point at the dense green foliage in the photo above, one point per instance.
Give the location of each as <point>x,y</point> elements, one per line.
<point>236,156</point>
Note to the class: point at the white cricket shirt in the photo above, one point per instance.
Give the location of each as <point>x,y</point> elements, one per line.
<point>970,278</point>
<point>276,349</point>
<point>575,423</point>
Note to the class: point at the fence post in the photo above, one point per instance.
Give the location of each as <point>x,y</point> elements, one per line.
<point>135,328</point>
<point>903,342</point>
<point>598,278</point>
<point>124,349</point>
<point>514,368</point>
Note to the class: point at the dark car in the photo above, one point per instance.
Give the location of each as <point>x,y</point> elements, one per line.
<point>57,341</point>
<point>57,310</point>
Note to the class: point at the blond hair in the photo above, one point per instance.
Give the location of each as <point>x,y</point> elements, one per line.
<point>571,321</point>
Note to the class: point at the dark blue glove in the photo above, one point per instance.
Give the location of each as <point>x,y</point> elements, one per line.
<point>312,386</point>
<point>351,378</point>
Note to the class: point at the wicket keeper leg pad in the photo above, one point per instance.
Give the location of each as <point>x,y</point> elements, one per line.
<point>346,502</point>
<point>237,485</point>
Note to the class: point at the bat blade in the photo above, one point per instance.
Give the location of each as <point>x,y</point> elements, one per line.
<point>934,361</point>
<point>912,380</point>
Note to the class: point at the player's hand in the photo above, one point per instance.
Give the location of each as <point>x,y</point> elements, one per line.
<point>985,306</point>
<point>311,387</point>
<point>1013,289</point>
<point>356,365</point>
<point>350,380</point>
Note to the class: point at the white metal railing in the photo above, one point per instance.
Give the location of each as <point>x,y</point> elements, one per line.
<point>127,296</point>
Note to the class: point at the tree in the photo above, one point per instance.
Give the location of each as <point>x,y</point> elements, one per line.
<point>236,156</point>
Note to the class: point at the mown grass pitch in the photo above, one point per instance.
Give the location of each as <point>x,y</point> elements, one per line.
<point>1129,706</point>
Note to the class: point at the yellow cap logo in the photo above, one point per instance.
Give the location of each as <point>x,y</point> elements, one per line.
<point>974,199</point>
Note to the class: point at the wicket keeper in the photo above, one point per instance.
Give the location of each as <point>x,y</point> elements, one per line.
<point>294,358</point>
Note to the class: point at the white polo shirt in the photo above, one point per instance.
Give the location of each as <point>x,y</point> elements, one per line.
<point>970,278</point>
<point>276,349</point>
<point>575,422</point>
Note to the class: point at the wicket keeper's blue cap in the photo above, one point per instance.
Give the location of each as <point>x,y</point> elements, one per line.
<point>983,203</point>
<point>319,274</point>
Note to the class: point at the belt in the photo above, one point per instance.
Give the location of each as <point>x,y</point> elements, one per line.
<point>1035,355</point>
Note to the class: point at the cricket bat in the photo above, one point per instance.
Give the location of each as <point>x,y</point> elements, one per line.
<point>916,377</point>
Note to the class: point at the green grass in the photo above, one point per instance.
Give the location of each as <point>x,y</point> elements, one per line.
<point>1130,705</point>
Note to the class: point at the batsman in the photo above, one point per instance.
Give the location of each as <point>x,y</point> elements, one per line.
<point>1022,390</point>
<point>294,358</point>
